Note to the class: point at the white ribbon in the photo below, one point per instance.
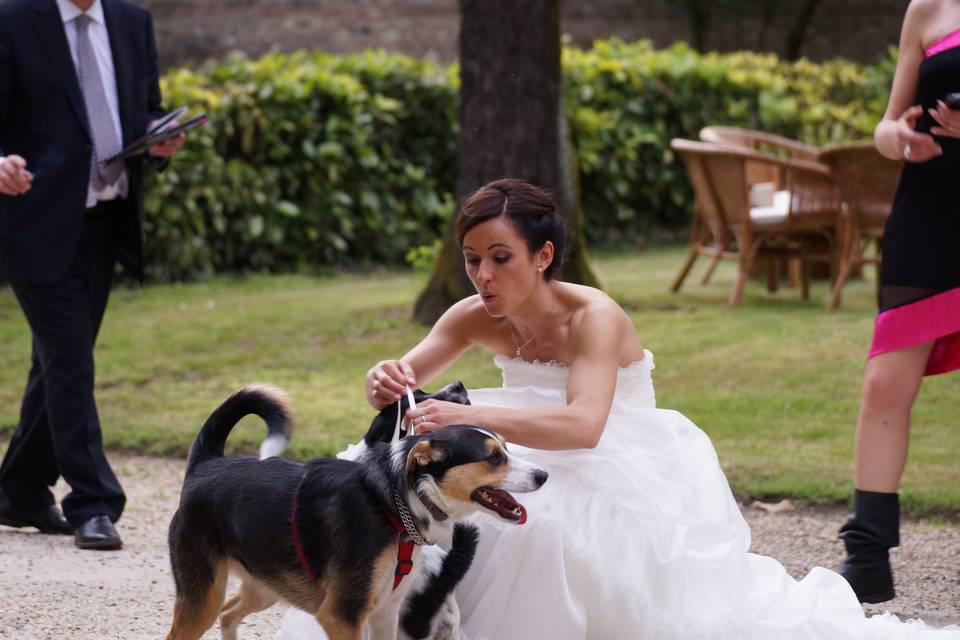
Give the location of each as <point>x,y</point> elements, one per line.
<point>413,405</point>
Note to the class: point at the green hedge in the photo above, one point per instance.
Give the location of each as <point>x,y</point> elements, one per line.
<point>627,101</point>
<point>312,159</point>
<point>308,160</point>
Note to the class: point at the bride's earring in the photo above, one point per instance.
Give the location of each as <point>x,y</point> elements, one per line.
<point>540,269</point>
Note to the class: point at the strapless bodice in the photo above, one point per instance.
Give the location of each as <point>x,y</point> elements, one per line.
<point>634,381</point>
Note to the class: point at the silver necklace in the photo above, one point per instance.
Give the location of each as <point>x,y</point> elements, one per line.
<point>513,335</point>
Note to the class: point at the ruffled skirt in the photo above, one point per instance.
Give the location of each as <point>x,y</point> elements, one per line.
<point>639,538</point>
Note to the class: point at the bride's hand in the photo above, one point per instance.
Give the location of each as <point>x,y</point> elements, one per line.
<point>431,415</point>
<point>387,382</point>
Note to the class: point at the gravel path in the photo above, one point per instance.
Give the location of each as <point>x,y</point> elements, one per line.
<point>50,590</point>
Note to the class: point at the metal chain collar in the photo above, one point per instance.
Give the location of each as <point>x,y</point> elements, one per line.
<point>407,519</point>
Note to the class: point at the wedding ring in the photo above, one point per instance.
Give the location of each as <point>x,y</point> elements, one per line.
<point>906,151</point>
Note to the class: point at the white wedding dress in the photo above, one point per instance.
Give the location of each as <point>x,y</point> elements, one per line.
<point>639,538</point>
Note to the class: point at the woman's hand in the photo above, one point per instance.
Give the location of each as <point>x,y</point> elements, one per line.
<point>947,118</point>
<point>914,146</point>
<point>430,415</point>
<point>387,382</point>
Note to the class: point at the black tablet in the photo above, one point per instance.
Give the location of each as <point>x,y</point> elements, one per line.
<point>165,120</point>
<point>158,135</point>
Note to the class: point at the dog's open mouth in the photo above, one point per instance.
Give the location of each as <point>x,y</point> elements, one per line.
<point>501,503</point>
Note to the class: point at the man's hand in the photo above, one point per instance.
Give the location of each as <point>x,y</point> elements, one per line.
<point>168,147</point>
<point>15,180</point>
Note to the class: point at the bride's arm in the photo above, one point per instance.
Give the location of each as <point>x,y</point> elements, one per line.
<point>579,424</point>
<point>446,341</point>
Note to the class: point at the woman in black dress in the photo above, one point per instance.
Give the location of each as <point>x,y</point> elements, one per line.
<point>917,331</point>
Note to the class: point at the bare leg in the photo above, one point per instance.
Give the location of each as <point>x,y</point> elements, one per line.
<point>890,385</point>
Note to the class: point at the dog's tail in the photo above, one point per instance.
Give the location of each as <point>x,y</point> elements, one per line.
<point>270,403</point>
<point>425,605</point>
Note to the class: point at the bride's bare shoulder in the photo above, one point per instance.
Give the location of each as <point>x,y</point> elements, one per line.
<point>468,315</point>
<point>593,310</point>
<point>588,301</point>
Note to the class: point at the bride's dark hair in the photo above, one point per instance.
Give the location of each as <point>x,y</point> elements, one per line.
<point>528,207</point>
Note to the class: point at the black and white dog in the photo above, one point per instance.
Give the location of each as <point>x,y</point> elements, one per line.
<point>429,611</point>
<point>325,535</point>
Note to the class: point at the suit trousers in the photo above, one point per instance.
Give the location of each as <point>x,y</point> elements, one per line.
<point>59,429</point>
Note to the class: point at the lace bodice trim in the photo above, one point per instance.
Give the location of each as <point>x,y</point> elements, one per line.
<point>631,379</point>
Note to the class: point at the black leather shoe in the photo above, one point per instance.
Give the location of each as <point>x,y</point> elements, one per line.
<point>46,519</point>
<point>98,533</point>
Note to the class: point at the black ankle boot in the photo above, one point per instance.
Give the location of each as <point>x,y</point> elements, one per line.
<point>868,535</point>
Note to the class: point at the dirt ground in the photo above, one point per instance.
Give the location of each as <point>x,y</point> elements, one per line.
<point>51,590</point>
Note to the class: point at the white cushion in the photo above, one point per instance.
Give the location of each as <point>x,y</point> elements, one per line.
<point>761,194</point>
<point>774,214</point>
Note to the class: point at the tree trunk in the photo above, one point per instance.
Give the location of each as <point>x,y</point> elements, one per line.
<point>512,124</point>
<point>798,32</point>
<point>699,16</point>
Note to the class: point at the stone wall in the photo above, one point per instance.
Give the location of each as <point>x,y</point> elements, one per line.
<point>190,31</point>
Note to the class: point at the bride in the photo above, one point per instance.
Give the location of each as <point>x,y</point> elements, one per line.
<point>636,534</point>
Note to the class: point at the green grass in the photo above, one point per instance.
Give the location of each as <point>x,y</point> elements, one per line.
<point>775,382</point>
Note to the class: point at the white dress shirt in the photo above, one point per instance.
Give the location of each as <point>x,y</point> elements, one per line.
<point>100,41</point>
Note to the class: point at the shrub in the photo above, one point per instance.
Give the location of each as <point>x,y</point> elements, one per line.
<point>309,159</point>
<point>627,100</point>
<point>312,159</point>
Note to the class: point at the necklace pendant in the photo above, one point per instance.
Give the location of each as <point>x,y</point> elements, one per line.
<point>519,357</point>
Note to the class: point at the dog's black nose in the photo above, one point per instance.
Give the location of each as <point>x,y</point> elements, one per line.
<point>540,476</point>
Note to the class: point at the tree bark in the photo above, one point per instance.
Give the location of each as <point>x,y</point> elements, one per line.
<point>798,32</point>
<point>512,124</point>
<point>699,16</point>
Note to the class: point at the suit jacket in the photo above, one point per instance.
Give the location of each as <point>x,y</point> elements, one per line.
<point>43,119</point>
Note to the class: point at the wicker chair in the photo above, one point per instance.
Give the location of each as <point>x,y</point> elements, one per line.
<point>726,226</point>
<point>759,173</point>
<point>867,182</point>
<point>760,141</point>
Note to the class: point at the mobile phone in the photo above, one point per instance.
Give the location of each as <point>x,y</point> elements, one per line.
<point>952,100</point>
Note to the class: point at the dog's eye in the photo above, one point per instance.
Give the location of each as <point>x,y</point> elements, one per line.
<point>497,457</point>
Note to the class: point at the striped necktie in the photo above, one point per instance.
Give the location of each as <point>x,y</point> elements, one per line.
<point>105,140</point>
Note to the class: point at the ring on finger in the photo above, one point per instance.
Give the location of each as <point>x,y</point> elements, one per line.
<point>907,151</point>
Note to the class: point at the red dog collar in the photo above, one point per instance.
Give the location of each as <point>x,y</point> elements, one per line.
<point>404,551</point>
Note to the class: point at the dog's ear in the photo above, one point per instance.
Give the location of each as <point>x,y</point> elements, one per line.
<point>453,392</point>
<point>426,452</point>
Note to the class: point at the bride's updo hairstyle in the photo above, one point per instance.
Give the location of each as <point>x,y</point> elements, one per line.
<point>529,209</point>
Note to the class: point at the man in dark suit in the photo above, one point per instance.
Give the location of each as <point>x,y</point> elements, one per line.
<point>78,81</point>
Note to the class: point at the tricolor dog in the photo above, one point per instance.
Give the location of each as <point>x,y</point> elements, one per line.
<point>325,535</point>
